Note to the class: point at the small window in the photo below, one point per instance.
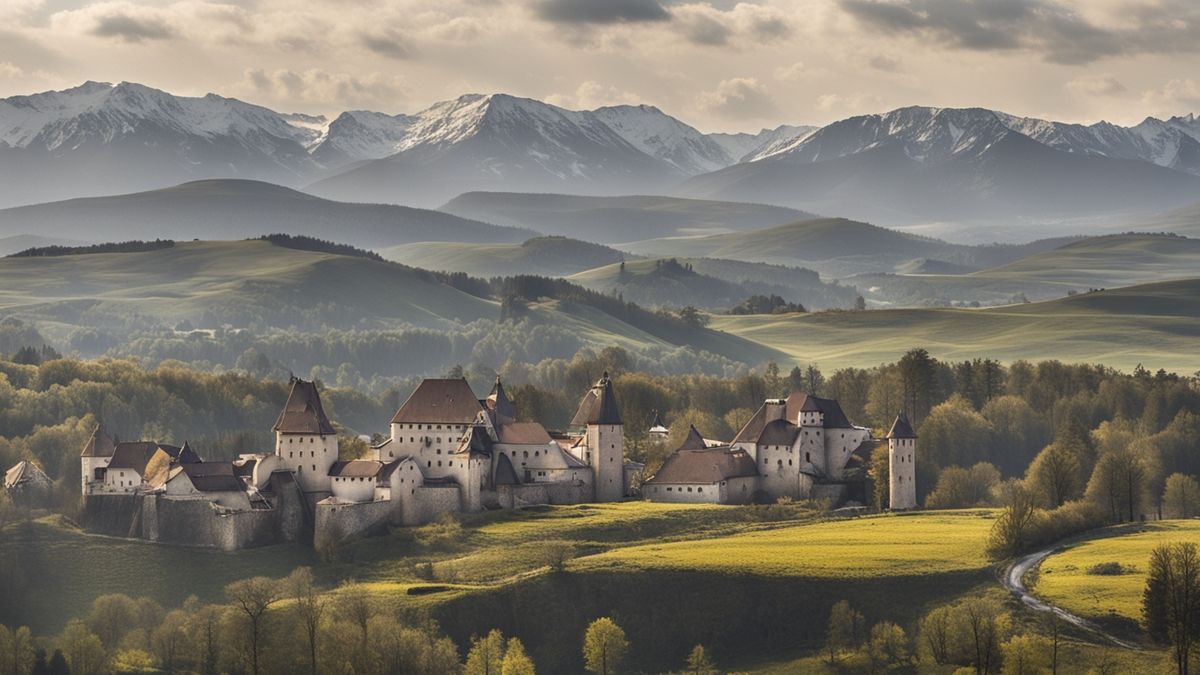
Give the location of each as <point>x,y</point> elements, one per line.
<point>689,489</point>
<point>699,489</point>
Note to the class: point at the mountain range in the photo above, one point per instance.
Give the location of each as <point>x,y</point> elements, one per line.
<point>910,165</point>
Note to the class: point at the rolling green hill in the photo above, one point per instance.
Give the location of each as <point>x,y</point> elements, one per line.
<point>1156,325</point>
<point>267,288</point>
<point>547,256</point>
<point>1096,262</point>
<point>245,282</point>
<point>712,283</point>
<point>611,220</point>
<point>836,247</point>
<point>232,209</point>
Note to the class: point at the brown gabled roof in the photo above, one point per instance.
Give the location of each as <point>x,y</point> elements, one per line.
<point>362,468</point>
<point>834,417</point>
<point>100,444</point>
<point>711,465</point>
<point>599,405</point>
<point>446,401</point>
<point>303,413</point>
<point>212,476</point>
<point>135,455</point>
<point>901,427</point>
<point>797,402</point>
<point>523,433</point>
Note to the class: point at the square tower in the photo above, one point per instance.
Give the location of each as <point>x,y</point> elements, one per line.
<point>902,467</point>
<point>305,440</point>
<point>604,437</point>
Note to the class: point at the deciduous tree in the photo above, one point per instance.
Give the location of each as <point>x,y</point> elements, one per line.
<point>604,646</point>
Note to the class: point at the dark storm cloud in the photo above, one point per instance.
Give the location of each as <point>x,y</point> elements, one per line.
<point>1044,26</point>
<point>601,11</point>
<point>130,28</point>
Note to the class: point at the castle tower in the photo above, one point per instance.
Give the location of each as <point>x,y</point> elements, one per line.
<point>811,420</point>
<point>902,468</point>
<point>94,459</point>
<point>305,440</point>
<point>604,438</point>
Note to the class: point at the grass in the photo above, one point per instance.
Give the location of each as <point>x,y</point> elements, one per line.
<point>873,547</point>
<point>1155,325</point>
<point>1064,578</point>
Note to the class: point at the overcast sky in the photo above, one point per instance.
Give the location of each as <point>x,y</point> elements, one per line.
<point>718,65</point>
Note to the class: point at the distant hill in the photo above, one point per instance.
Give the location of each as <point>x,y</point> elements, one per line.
<point>1097,262</point>
<point>20,242</point>
<point>233,209</point>
<point>294,287</point>
<point>1156,325</point>
<point>712,283</point>
<point>612,220</point>
<point>837,247</point>
<point>547,256</point>
<point>1184,220</point>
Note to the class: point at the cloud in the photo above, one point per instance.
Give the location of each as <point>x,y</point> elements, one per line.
<point>600,11</point>
<point>129,28</point>
<point>320,86</point>
<point>739,98</point>
<point>853,103</point>
<point>884,63</point>
<point>9,71</point>
<point>1177,96</point>
<point>746,24</point>
<point>388,43</point>
<point>790,73</point>
<point>590,95</point>
<point>1104,85</point>
<point>1051,28</point>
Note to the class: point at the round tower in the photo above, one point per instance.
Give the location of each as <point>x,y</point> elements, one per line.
<point>902,467</point>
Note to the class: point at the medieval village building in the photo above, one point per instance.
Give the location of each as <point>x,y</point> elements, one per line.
<point>801,447</point>
<point>449,451</point>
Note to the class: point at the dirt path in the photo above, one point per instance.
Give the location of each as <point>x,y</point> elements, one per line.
<point>1014,581</point>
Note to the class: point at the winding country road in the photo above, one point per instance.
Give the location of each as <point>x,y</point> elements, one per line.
<point>1014,580</point>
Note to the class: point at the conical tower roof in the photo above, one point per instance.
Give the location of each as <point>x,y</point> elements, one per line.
<point>599,405</point>
<point>499,402</point>
<point>901,427</point>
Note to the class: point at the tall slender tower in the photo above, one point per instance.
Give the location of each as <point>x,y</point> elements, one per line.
<point>604,438</point>
<point>902,468</point>
<point>305,439</point>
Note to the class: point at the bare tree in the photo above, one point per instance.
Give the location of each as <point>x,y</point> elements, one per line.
<point>309,608</point>
<point>253,597</point>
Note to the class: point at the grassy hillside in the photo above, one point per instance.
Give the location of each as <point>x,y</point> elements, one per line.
<point>1064,579</point>
<point>1156,325</point>
<point>490,573</point>
<point>1096,262</point>
<point>617,219</point>
<point>263,287</point>
<point>547,256</point>
<point>255,281</point>
<point>712,283</point>
<point>835,247</point>
<point>233,209</point>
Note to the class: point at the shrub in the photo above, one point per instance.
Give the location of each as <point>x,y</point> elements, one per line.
<point>1106,569</point>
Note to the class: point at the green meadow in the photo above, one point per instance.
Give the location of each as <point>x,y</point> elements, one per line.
<point>1066,580</point>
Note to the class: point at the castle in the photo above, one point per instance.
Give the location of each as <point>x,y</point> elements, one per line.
<point>448,451</point>
<point>800,447</point>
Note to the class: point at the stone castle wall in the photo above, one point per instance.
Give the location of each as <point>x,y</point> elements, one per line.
<point>198,522</point>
